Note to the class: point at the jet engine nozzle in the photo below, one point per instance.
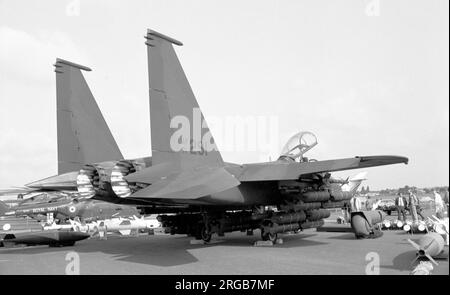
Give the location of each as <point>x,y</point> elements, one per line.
<point>87,178</point>
<point>119,185</point>
<point>107,178</point>
<point>94,179</point>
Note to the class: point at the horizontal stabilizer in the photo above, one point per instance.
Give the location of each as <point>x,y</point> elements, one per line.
<point>16,191</point>
<point>190,184</point>
<point>153,173</point>
<point>66,181</point>
<point>291,171</point>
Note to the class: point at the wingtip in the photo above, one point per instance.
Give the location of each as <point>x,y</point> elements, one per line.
<point>387,159</point>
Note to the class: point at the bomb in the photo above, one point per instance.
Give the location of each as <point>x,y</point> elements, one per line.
<point>289,218</point>
<point>282,228</point>
<point>301,206</point>
<point>429,246</point>
<point>315,196</point>
<point>312,224</point>
<point>317,214</point>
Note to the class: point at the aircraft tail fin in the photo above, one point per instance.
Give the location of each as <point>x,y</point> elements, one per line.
<point>83,135</point>
<point>179,132</point>
<point>354,182</point>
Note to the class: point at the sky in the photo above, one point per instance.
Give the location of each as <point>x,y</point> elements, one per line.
<point>367,77</point>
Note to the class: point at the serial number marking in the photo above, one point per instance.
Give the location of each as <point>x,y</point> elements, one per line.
<point>246,284</point>
<point>225,285</point>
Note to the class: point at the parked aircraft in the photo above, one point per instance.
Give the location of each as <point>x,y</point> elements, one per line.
<point>65,206</point>
<point>186,174</point>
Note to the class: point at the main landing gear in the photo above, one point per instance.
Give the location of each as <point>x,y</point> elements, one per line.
<point>268,236</point>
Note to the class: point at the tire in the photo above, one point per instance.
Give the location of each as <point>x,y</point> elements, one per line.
<point>268,236</point>
<point>206,235</point>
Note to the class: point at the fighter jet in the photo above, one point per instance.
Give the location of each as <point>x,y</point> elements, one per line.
<point>187,167</point>
<point>40,206</point>
<point>186,173</point>
<point>64,207</point>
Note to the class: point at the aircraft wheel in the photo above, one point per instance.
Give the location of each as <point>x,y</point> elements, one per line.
<point>206,234</point>
<point>268,236</point>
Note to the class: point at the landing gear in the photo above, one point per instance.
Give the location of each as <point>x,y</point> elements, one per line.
<point>267,236</point>
<point>206,234</point>
<point>206,229</point>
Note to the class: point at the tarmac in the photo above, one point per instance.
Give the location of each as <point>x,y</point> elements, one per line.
<point>309,252</point>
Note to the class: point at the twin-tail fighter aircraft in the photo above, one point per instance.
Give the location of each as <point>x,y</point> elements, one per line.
<point>186,174</point>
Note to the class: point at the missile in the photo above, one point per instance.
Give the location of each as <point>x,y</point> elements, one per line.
<point>46,237</point>
<point>416,227</point>
<point>407,227</point>
<point>422,227</point>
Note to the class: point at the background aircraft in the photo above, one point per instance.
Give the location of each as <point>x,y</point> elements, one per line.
<point>63,207</point>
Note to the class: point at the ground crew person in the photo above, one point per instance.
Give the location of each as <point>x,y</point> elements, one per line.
<point>415,206</point>
<point>355,204</point>
<point>401,204</point>
<point>439,205</point>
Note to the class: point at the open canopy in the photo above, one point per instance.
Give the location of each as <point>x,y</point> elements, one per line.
<point>298,145</point>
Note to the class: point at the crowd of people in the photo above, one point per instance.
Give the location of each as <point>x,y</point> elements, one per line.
<point>404,203</point>
<point>413,204</point>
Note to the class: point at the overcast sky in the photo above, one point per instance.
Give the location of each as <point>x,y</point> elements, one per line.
<point>368,77</point>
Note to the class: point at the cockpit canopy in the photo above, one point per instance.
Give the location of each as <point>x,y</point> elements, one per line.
<point>298,145</point>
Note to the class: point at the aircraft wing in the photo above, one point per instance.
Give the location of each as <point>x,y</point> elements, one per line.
<point>290,171</point>
<point>189,184</point>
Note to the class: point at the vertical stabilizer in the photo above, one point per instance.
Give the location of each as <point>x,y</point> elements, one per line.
<point>179,132</point>
<point>83,135</point>
<point>354,182</point>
